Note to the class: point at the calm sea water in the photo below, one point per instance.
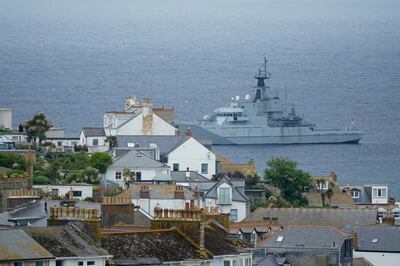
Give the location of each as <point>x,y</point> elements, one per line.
<point>337,59</point>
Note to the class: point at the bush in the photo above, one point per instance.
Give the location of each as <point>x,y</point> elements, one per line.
<point>41,180</point>
<point>9,159</point>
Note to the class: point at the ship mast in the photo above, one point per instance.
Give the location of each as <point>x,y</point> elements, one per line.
<point>262,76</point>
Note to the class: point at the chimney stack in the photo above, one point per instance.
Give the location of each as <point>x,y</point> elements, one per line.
<point>333,176</point>
<point>188,132</point>
<point>187,174</point>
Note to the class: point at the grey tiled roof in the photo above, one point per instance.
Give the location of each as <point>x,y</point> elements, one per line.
<point>136,159</point>
<point>64,242</point>
<point>17,245</point>
<point>93,131</point>
<point>180,176</point>
<point>388,238</point>
<point>236,194</point>
<point>308,237</point>
<point>165,144</point>
<point>337,217</point>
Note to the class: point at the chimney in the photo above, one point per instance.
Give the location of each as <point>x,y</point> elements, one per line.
<point>188,132</point>
<point>333,176</point>
<point>179,193</point>
<point>147,111</point>
<point>144,192</point>
<point>187,174</point>
<point>117,210</point>
<point>354,240</point>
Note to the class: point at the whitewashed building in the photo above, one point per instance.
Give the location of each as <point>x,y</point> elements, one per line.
<point>142,167</point>
<point>94,138</point>
<point>229,198</point>
<point>80,192</point>
<point>369,194</point>
<point>178,152</point>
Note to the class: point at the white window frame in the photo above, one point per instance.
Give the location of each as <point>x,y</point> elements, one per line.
<point>355,194</point>
<point>205,172</point>
<point>234,216</point>
<point>227,191</point>
<point>379,192</point>
<point>118,176</point>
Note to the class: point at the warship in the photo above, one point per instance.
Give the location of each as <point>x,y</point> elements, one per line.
<point>262,119</point>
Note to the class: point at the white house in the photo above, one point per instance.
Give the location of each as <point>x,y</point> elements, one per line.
<point>140,121</point>
<point>380,245</point>
<point>80,192</point>
<point>369,194</point>
<point>142,167</point>
<point>94,138</point>
<point>178,152</point>
<point>228,198</point>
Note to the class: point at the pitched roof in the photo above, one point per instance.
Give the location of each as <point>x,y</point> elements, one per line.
<point>136,159</point>
<point>165,144</point>
<point>149,244</point>
<point>32,213</point>
<point>17,245</point>
<point>180,176</point>
<point>93,131</point>
<point>236,194</point>
<point>314,237</point>
<point>317,216</point>
<point>64,242</point>
<point>376,238</point>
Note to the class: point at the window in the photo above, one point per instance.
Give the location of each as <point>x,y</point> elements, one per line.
<point>224,195</point>
<point>95,142</point>
<point>80,263</point>
<point>204,168</point>
<point>253,237</point>
<point>247,262</point>
<point>38,263</point>
<point>59,263</point>
<point>355,194</point>
<point>77,193</point>
<point>227,263</point>
<point>18,263</point>
<point>91,262</point>
<point>234,215</point>
<point>59,143</point>
<point>138,176</point>
<point>175,167</point>
<point>322,184</point>
<point>118,175</point>
<point>379,192</point>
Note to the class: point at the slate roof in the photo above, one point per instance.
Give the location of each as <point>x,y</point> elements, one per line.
<point>33,213</point>
<point>149,244</point>
<point>5,139</point>
<point>236,194</point>
<point>93,132</point>
<point>180,176</point>
<point>136,159</point>
<point>156,191</point>
<point>388,238</point>
<point>309,237</point>
<point>337,217</point>
<point>64,242</point>
<point>17,245</point>
<point>165,144</point>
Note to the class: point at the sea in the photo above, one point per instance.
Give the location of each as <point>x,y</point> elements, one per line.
<point>335,60</point>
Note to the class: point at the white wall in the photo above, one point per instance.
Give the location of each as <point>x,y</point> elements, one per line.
<point>245,258</point>
<point>74,262</point>
<point>147,174</point>
<point>87,191</point>
<point>379,200</point>
<point>88,141</point>
<point>192,154</point>
<point>238,205</point>
<point>380,258</point>
<point>134,127</point>
<point>148,205</point>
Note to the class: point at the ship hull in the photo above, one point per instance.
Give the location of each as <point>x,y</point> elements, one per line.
<point>314,137</point>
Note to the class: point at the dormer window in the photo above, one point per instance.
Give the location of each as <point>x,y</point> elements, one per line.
<point>355,194</point>
<point>379,192</point>
<point>322,184</point>
<point>224,196</point>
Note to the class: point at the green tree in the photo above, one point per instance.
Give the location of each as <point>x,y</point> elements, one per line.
<point>36,128</point>
<point>292,182</point>
<point>101,161</point>
<point>112,142</point>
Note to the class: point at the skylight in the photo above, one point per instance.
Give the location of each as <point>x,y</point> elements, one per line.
<point>375,240</point>
<point>279,239</point>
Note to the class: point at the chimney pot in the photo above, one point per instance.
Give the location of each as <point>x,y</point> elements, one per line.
<point>188,132</point>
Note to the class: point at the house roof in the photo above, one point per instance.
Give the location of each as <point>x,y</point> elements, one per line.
<point>32,213</point>
<point>156,191</point>
<point>17,245</point>
<point>317,216</point>
<point>93,132</point>
<point>315,237</point>
<point>136,159</point>
<point>161,177</point>
<point>180,176</point>
<point>216,242</point>
<point>376,238</point>
<point>64,242</point>
<point>5,139</point>
<point>236,194</point>
<point>149,244</point>
<point>166,144</point>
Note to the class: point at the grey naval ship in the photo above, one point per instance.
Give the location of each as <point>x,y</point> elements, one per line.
<point>261,119</point>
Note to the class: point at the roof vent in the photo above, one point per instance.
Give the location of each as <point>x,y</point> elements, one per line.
<point>375,240</point>
<point>279,239</point>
